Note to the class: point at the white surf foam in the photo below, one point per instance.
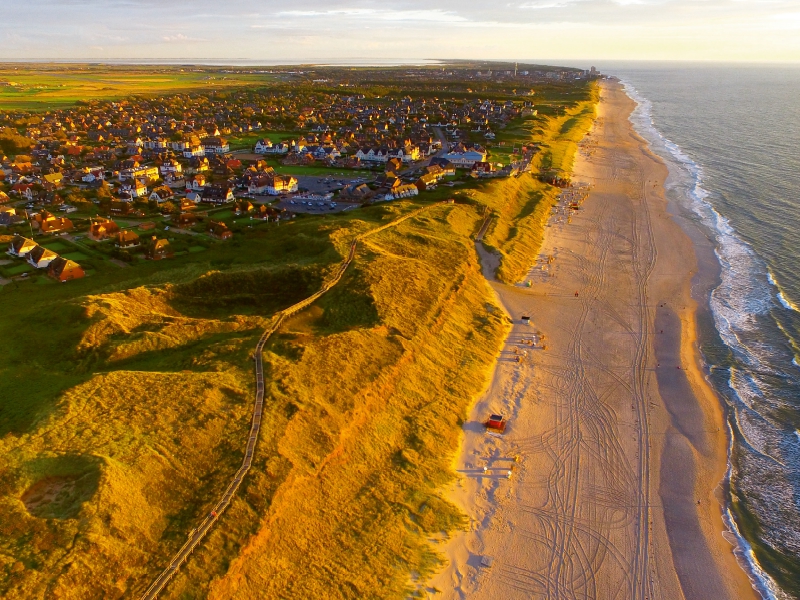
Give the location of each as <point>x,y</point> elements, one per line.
<point>742,295</point>
<point>787,304</point>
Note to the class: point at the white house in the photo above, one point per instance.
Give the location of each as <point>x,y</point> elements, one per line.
<point>193,151</point>
<point>215,145</point>
<point>172,167</point>
<point>407,154</point>
<point>40,257</point>
<point>161,194</point>
<point>156,144</point>
<point>136,189</point>
<point>92,175</point>
<point>465,159</point>
<point>373,154</point>
<point>405,191</point>
<point>21,246</point>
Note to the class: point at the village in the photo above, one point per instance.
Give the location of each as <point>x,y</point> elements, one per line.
<point>152,179</point>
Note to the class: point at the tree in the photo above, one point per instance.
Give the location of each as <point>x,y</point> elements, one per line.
<point>12,142</point>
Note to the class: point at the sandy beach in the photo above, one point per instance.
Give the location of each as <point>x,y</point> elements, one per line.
<point>615,443</point>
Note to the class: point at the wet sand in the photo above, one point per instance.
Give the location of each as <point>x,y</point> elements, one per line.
<point>615,442</point>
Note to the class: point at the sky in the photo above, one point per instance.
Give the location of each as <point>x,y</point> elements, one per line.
<point>337,31</point>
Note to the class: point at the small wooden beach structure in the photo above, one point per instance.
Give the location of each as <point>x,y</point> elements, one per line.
<point>495,423</point>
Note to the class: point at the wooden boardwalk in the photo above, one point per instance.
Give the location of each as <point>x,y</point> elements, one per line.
<point>199,533</point>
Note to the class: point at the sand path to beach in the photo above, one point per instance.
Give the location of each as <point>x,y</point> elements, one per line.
<point>615,442</point>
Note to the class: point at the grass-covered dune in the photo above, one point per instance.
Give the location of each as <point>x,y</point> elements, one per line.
<point>521,206</point>
<point>367,390</point>
<point>373,415</point>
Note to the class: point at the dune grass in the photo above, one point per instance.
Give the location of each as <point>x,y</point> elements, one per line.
<point>521,206</point>
<point>126,404</point>
<point>374,413</point>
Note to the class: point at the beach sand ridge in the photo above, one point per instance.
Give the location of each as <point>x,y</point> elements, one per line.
<point>604,484</point>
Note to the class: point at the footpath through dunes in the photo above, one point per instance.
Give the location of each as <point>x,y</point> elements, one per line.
<point>615,433</point>
<point>196,536</point>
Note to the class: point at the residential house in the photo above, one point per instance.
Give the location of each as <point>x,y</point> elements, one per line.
<point>21,246</point>
<point>219,230</point>
<point>53,179</point>
<point>243,207</point>
<point>48,223</point>
<point>263,147</point>
<point>8,216</point>
<point>216,194</point>
<point>170,167</point>
<point>482,168</point>
<point>447,167</point>
<point>145,174</point>
<point>161,194</point>
<point>198,165</point>
<point>187,204</point>
<point>133,189</point>
<point>196,182</point>
<point>120,207</point>
<point>355,191</point>
<point>158,249</point>
<point>266,146</point>
<point>394,165</point>
<point>40,257</point>
<point>186,220</point>
<point>126,239</point>
<point>216,145</point>
<point>194,151</point>
<point>373,154</point>
<point>90,175</point>
<point>404,191</point>
<point>282,184</point>
<point>264,212</point>
<point>63,269</point>
<point>427,181</point>
<point>464,158</point>
<point>100,229</point>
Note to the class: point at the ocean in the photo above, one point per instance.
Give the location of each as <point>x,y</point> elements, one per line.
<point>731,138</point>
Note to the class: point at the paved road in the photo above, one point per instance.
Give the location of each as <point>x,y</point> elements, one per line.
<point>197,534</point>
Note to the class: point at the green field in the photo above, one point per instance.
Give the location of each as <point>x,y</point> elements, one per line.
<point>45,87</point>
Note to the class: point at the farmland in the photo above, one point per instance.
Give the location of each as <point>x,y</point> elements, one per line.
<point>44,87</point>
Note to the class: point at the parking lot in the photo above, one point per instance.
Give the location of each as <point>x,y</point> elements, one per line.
<point>329,183</point>
<point>300,205</point>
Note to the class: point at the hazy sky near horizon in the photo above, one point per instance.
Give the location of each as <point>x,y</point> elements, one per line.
<point>269,30</point>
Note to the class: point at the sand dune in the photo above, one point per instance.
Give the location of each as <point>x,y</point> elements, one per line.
<point>614,441</point>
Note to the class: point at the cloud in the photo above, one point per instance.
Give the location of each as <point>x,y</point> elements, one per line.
<point>179,38</point>
<point>277,30</point>
<point>425,15</point>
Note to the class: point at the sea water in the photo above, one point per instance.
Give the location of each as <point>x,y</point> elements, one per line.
<point>731,138</point>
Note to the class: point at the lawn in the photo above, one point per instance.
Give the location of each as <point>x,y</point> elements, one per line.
<point>18,269</point>
<point>76,256</point>
<point>55,246</point>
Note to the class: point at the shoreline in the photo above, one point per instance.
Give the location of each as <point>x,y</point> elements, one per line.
<point>559,503</point>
